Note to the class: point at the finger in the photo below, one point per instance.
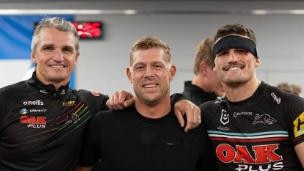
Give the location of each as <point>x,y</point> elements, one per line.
<point>95,93</point>
<point>121,97</point>
<point>108,104</point>
<point>196,113</point>
<point>190,119</point>
<point>197,116</point>
<point>129,102</point>
<point>180,117</point>
<point>113,103</point>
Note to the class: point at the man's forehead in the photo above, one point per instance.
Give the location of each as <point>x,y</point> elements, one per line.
<point>59,40</point>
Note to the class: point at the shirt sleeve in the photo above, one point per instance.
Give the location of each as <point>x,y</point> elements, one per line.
<point>96,102</point>
<point>174,98</point>
<point>296,110</point>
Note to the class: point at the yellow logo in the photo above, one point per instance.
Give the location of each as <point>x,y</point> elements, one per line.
<point>69,103</point>
<point>298,125</point>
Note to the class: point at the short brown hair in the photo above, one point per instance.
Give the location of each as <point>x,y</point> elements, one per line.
<point>203,53</point>
<point>235,29</point>
<point>290,88</point>
<point>148,43</point>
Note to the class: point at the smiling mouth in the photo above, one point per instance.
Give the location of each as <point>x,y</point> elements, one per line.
<point>233,67</point>
<point>150,85</point>
<point>58,66</point>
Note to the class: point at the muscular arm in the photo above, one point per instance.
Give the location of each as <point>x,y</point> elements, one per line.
<point>300,152</point>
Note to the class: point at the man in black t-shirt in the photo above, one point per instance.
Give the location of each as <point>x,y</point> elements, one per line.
<point>146,136</point>
<point>256,126</point>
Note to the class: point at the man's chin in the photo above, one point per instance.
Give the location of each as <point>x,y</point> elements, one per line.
<point>234,83</point>
<point>58,79</point>
<point>152,100</point>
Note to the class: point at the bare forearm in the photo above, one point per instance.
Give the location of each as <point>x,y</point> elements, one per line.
<point>300,152</point>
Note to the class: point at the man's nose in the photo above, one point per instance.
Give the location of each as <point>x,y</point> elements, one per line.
<point>149,71</point>
<point>232,55</point>
<point>58,55</point>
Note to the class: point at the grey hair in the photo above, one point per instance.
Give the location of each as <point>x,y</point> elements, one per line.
<point>58,23</point>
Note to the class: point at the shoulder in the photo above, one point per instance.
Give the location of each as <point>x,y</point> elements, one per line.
<point>88,94</point>
<point>12,89</point>
<point>94,101</point>
<point>213,104</point>
<point>279,97</point>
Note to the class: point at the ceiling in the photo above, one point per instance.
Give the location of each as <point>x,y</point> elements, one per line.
<point>11,1</point>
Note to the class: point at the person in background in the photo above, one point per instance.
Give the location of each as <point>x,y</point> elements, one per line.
<point>256,126</point>
<point>145,136</point>
<point>290,88</point>
<point>205,84</point>
<point>42,120</point>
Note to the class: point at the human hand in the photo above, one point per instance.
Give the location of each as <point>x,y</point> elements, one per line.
<point>120,100</point>
<point>191,111</point>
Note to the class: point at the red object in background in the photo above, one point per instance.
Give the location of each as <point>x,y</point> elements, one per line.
<point>89,29</point>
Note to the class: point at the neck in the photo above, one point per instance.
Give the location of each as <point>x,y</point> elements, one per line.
<point>199,82</point>
<point>153,111</point>
<point>242,91</point>
<point>57,85</point>
<point>202,83</point>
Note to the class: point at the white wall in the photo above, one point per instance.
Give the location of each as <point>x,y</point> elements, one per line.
<point>102,63</point>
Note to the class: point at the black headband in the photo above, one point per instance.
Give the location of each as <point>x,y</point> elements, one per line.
<point>234,42</point>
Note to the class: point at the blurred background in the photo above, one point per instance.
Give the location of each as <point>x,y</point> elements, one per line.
<point>278,25</point>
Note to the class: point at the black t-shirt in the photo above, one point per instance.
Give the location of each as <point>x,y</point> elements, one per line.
<point>125,140</point>
<point>42,129</point>
<point>197,95</point>
<point>258,133</point>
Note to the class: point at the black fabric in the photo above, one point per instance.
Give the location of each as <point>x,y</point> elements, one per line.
<point>125,140</point>
<point>41,129</point>
<point>197,95</point>
<point>234,42</point>
<point>257,133</point>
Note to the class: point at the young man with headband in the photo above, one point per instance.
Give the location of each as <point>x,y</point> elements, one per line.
<point>256,126</point>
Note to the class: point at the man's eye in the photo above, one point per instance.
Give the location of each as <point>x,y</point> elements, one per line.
<point>68,49</point>
<point>48,48</point>
<point>158,66</point>
<point>139,67</point>
<point>222,53</point>
<point>242,51</point>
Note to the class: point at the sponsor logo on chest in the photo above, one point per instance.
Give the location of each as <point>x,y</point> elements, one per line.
<point>254,158</point>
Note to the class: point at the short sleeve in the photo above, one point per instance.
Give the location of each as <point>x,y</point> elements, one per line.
<point>296,110</point>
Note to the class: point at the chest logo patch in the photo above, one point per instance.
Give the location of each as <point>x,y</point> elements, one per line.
<point>264,119</point>
<point>224,117</point>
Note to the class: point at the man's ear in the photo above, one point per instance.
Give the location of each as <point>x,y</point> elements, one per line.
<point>172,72</point>
<point>203,68</point>
<point>33,58</point>
<point>129,74</point>
<point>258,62</point>
<point>77,56</point>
